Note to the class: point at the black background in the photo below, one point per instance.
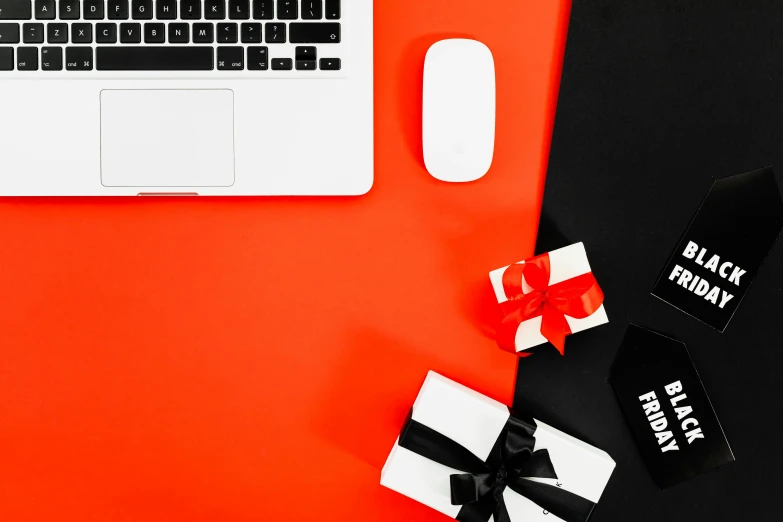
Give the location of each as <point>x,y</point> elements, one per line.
<point>658,99</point>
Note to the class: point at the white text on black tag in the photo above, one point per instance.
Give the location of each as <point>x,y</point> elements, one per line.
<point>700,286</point>
<point>658,422</point>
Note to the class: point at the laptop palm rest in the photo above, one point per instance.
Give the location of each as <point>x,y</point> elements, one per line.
<point>167,138</point>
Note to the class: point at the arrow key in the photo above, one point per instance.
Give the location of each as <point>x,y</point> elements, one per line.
<point>330,64</point>
<point>282,64</point>
<point>305,53</point>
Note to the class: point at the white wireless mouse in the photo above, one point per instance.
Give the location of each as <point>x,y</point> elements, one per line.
<point>458,127</point>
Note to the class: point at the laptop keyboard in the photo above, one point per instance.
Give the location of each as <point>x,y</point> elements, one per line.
<point>264,36</point>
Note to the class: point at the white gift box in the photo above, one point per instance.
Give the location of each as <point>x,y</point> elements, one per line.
<point>476,421</point>
<point>565,263</point>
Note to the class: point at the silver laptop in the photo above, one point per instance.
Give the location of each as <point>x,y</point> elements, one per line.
<point>208,97</point>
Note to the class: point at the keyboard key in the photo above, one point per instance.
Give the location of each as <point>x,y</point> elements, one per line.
<point>190,9</point>
<point>81,33</point>
<point>118,10</point>
<point>51,58</point>
<point>6,58</point>
<point>27,59</point>
<point>332,9</point>
<point>93,10</point>
<point>203,33</point>
<point>154,33</point>
<point>15,10</point>
<point>179,33</point>
<point>33,33</point>
<point>251,33</point>
<point>78,58</point>
<point>227,33</point>
<point>9,33</point>
<point>44,10</point>
<point>239,9</point>
<point>287,9</point>
<point>215,9</point>
<point>263,10</point>
<point>282,64</point>
<point>68,9</point>
<point>106,33</point>
<point>275,33</point>
<point>166,9</point>
<point>315,32</point>
<point>330,64</point>
<point>151,58</point>
<point>231,58</point>
<point>312,10</point>
<point>130,33</point>
<point>57,33</point>
<point>306,53</point>
<point>305,65</point>
<point>257,58</point>
<point>141,10</point>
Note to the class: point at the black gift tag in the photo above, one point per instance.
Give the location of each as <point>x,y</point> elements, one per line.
<point>724,247</point>
<point>667,408</point>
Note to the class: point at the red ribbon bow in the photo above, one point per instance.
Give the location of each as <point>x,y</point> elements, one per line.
<point>577,297</point>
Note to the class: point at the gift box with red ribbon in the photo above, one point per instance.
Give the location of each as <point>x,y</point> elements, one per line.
<point>547,297</point>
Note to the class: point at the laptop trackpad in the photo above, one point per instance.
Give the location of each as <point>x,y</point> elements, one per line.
<point>167,138</point>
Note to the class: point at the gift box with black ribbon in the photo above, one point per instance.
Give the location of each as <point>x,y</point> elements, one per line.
<point>547,297</point>
<point>469,457</point>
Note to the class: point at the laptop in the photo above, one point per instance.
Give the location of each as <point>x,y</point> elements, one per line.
<point>207,97</point>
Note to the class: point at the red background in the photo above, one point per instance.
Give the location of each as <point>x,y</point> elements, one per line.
<point>253,359</point>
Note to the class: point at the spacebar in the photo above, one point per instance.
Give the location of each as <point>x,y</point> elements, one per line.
<point>148,58</point>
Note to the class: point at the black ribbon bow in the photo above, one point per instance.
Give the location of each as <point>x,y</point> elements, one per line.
<point>479,489</point>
